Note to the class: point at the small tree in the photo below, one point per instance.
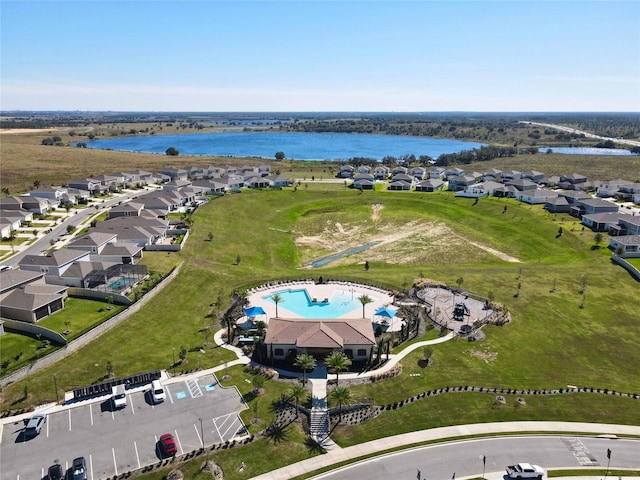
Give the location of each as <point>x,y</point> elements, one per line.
<point>183,354</point>
<point>298,392</point>
<point>341,395</point>
<point>366,266</point>
<point>109,369</point>
<point>258,383</point>
<point>280,156</point>
<point>364,300</point>
<point>305,362</point>
<point>598,239</point>
<point>337,361</point>
<point>210,236</point>
<point>172,152</point>
<point>277,298</point>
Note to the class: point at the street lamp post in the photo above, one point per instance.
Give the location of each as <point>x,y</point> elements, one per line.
<point>608,462</point>
<point>201,433</point>
<point>484,464</point>
<point>173,365</point>
<point>55,385</point>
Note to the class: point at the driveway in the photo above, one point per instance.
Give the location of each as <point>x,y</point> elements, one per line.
<point>198,411</point>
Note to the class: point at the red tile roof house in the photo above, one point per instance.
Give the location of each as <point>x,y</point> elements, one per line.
<point>354,337</point>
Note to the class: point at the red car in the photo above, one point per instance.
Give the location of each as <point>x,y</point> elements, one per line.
<point>168,446</point>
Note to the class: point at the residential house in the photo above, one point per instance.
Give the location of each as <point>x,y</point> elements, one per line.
<point>36,205</point>
<point>533,175</point>
<point>601,222</point>
<point>142,177</point>
<point>626,192</point>
<point>140,230</point>
<point>55,195</point>
<point>436,173</point>
<point>550,181</point>
<point>25,296</point>
<point>522,184</point>
<point>491,174</point>
<point>399,170</point>
<point>290,337</point>
<point>482,189</point>
<point>509,175</point>
<point>176,184</point>
<point>381,172</point>
<point>460,182</point>
<point>592,205</point>
<point>453,172</point>
<point>264,170</point>
<point>399,185</point>
<point>536,196</point>
<point>128,209</point>
<point>626,245</point>
<point>279,181</point>
<point>558,204</point>
<point>419,173</point>
<point>627,225</point>
<point>256,181</point>
<point>571,181</point>
<point>54,263</point>
<point>94,187</point>
<point>346,171</point>
<point>175,173</point>
<point>210,187</point>
<point>366,169</point>
<point>430,185</point>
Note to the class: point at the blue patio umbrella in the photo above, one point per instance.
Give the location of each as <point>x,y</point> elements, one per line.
<point>253,311</point>
<point>386,312</point>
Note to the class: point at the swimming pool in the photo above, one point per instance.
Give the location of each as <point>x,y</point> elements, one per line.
<point>121,283</point>
<point>298,301</point>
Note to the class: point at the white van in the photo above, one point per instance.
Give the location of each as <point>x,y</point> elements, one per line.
<point>118,396</point>
<point>157,392</point>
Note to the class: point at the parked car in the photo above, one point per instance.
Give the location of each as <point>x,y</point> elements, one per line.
<point>118,396</point>
<point>168,445</point>
<point>525,470</point>
<point>79,469</point>
<point>55,472</point>
<point>157,392</point>
<point>34,425</point>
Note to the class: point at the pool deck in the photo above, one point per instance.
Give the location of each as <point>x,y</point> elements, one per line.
<point>380,297</point>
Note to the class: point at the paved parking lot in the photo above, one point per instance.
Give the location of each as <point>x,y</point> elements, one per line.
<point>197,411</point>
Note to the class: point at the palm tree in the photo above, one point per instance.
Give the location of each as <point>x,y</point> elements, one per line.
<point>341,395</point>
<point>305,362</point>
<point>364,299</point>
<point>277,298</point>
<point>299,392</point>
<point>337,361</point>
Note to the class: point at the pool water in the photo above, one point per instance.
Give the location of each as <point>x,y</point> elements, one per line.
<point>341,303</point>
<point>121,283</point>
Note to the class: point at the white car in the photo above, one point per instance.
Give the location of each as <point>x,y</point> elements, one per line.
<point>118,396</point>
<point>157,392</point>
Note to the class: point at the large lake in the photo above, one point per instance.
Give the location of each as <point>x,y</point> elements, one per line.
<point>299,146</point>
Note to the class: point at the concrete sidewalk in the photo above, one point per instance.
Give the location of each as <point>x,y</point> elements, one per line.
<point>350,454</point>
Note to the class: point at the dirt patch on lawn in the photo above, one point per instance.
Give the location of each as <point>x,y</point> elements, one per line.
<point>412,242</point>
<point>488,357</point>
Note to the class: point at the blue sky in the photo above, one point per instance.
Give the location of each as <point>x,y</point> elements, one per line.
<point>320,56</point>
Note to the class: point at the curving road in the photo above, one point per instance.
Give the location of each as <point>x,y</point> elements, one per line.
<point>633,143</point>
<point>464,458</point>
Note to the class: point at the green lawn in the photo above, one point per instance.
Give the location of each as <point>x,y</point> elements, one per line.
<point>556,338</point>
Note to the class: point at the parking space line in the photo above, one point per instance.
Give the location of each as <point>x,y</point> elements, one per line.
<point>91,465</point>
<point>69,419</point>
<point>133,410</point>
<point>135,445</point>
<point>115,465</point>
<point>91,413</point>
<point>217,429</point>
<point>197,433</point>
<point>230,426</point>
<point>47,426</point>
<point>169,393</point>
<point>179,442</point>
